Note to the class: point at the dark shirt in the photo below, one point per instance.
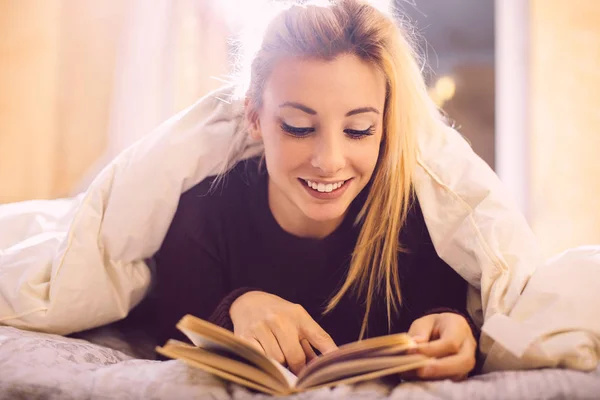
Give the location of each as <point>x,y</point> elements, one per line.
<point>225,241</point>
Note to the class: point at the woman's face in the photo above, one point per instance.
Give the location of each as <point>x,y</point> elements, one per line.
<point>321,124</point>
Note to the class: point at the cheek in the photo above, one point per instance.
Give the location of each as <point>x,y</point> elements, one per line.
<point>283,146</point>
<point>366,158</point>
<point>271,141</point>
<point>282,154</point>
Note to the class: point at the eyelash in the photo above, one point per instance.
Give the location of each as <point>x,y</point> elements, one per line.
<point>303,132</point>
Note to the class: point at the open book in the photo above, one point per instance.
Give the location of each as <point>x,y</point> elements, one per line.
<point>220,352</point>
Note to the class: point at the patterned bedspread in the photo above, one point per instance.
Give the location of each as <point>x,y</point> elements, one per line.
<point>108,366</point>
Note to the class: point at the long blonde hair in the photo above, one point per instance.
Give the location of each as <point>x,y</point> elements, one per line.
<point>355,27</point>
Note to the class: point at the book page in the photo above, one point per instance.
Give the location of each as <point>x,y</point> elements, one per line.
<point>289,376</point>
<point>355,367</point>
<point>378,346</point>
<point>220,373</point>
<point>238,367</point>
<point>208,336</point>
<point>371,375</point>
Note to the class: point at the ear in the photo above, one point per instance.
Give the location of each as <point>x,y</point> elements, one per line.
<point>251,116</point>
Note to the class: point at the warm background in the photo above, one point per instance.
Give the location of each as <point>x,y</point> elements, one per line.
<point>82,79</point>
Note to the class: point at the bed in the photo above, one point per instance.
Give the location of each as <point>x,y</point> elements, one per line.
<point>71,264</point>
<point>115,362</point>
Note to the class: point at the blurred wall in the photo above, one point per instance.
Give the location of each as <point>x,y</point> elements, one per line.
<point>457,39</point>
<point>56,63</point>
<point>83,79</point>
<point>28,44</point>
<point>88,48</point>
<point>472,107</point>
<point>565,122</point>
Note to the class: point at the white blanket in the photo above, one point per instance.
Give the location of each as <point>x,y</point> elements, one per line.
<point>70,265</point>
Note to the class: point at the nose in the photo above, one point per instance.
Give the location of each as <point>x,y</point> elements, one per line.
<point>328,153</point>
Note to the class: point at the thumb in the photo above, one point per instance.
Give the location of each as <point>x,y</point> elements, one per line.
<point>421,329</point>
<point>316,336</point>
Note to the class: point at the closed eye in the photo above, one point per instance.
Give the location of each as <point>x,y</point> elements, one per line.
<point>305,131</point>
<point>356,134</point>
<point>296,131</point>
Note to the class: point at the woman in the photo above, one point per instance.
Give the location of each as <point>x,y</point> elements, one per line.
<point>321,241</point>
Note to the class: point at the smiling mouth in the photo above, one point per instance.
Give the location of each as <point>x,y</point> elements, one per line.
<point>322,187</point>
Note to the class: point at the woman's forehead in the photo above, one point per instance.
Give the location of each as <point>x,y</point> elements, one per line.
<point>344,83</point>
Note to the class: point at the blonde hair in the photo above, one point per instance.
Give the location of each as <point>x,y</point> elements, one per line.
<point>355,27</point>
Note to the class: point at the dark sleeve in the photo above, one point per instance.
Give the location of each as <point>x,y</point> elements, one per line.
<point>189,278</point>
<point>447,293</point>
<point>435,287</point>
<point>220,315</point>
<point>191,272</point>
<point>430,284</point>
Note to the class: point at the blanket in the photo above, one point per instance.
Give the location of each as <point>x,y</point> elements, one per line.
<point>73,264</point>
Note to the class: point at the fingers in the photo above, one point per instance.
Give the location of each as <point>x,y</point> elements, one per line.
<point>316,336</point>
<point>289,344</point>
<point>452,346</point>
<point>440,348</point>
<point>269,343</point>
<point>283,331</point>
<point>455,367</point>
<point>264,340</point>
<point>308,350</point>
<point>254,343</point>
<point>422,329</point>
<point>319,339</point>
<point>453,331</point>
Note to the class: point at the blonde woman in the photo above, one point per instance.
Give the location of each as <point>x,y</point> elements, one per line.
<point>321,241</point>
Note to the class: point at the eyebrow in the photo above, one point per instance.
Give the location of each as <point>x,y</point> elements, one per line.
<point>310,111</point>
<point>362,110</point>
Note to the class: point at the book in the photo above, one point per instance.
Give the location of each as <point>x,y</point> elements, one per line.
<point>218,351</point>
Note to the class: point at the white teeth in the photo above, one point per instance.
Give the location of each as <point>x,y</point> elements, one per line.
<point>324,188</point>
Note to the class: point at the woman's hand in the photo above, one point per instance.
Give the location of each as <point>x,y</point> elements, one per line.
<point>448,338</point>
<point>280,329</point>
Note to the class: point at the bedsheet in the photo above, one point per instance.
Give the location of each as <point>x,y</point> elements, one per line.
<point>107,364</point>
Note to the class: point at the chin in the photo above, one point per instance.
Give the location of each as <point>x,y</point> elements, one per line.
<point>321,213</point>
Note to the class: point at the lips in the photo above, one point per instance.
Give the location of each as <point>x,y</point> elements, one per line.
<point>324,187</point>
<point>325,195</point>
